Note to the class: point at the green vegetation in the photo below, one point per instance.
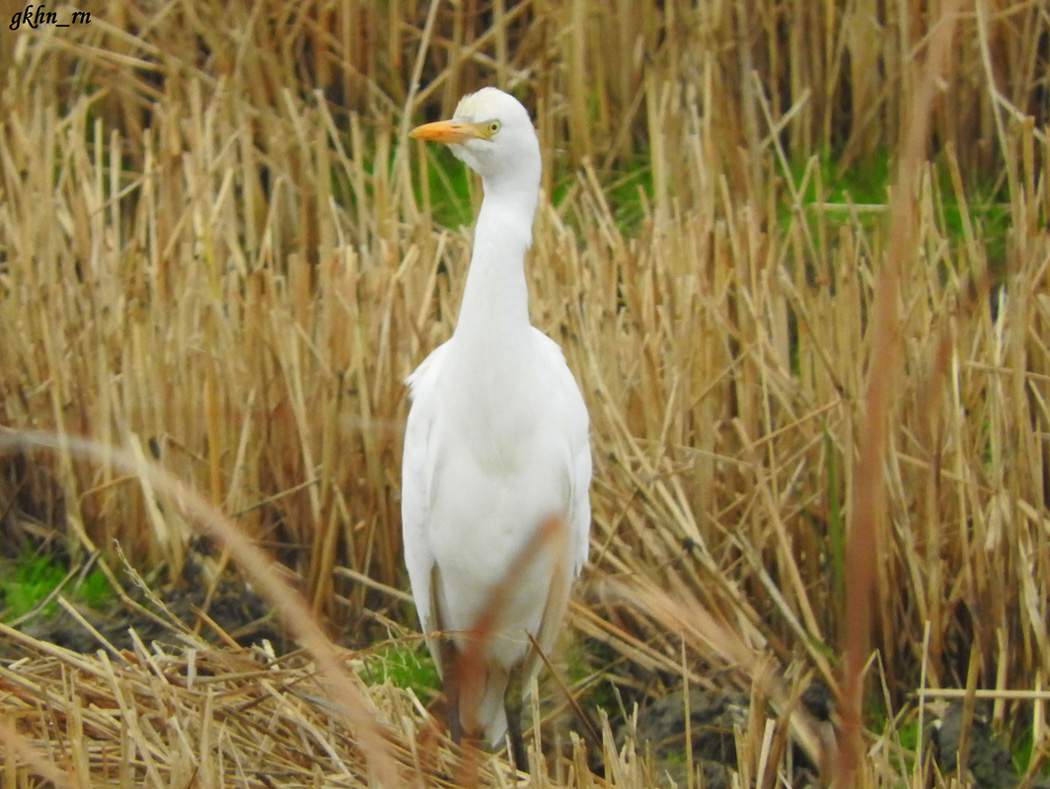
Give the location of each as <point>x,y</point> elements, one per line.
<point>824,180</point>
<point>588,661</point>
<point>406,665</point>
<point>34,576</point>
<point>446,187</point>
<point>834,195</point>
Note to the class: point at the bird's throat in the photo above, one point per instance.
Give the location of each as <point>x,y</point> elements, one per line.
<point>494,314</point>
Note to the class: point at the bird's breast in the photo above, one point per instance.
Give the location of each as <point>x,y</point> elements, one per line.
<point>502,453</point>
<point>498,406</point>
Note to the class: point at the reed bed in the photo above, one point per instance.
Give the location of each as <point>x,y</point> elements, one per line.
<point>201,716</point>
<point>218,249</point>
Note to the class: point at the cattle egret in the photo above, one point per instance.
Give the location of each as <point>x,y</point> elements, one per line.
<point>496,446</point>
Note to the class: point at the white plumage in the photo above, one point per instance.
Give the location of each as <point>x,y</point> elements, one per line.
<point>497,435</point>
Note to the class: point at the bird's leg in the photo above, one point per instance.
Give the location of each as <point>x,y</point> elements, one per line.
<point>513,701</point>
<point>450,664</point>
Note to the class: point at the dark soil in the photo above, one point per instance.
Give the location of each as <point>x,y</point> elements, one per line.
<point>989,764</point>
<point>221,613</point>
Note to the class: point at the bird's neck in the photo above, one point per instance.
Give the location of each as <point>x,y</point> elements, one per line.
<point>495,309</point>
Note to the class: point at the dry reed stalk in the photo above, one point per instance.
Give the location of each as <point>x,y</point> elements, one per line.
<point>154,716</point>
<point>864,545</point>
<point>218,717</point>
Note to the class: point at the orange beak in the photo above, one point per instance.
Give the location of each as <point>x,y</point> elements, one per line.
<point>450,132</point>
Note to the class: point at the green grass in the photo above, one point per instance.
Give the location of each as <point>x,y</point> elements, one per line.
<point>823,181</point>
<point>1024,751</point>
<point>407,666</point>
<point>627,191</point>
<point>35,576</point>
<point>630,194</point>
<point>590,658</point>
<point>95,590</point>
<point>450,189</point>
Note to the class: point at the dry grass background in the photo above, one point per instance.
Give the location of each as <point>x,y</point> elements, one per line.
<point>218,245</point>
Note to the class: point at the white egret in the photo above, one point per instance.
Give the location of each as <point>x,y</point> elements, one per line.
<point>496,445</point>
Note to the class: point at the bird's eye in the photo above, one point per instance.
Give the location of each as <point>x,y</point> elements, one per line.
<point>494,127</point>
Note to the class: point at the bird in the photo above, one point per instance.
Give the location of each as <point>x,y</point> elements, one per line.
<point>496,449</point>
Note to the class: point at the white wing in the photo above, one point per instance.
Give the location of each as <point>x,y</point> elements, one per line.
<point>577,434</point>
<point>416,469</point>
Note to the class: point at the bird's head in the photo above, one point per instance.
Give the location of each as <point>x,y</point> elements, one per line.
<point>491,132</point>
